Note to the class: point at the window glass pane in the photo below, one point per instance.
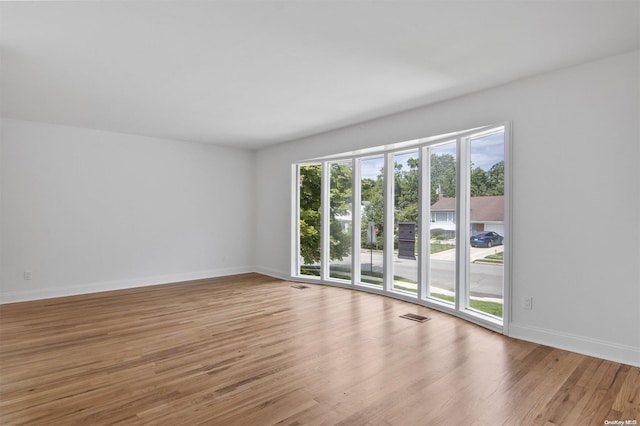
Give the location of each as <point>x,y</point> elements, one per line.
<point>372,225</point>
<point>340,220</point>
<point>443,230</point>
<point>486,252</point>
<point>406,182</point>
<point>476,268</point>
<point>309,225</point>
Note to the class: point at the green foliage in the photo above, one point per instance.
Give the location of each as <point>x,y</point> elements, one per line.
<point>478,182</point>
<point>497,256</point>
<point>310,178</point>
<point>373,200</point>
<point>443,176</point>
<point>438,247</point>
<point>490,182</point>
<point>496,259</point>
<point>339,205</point>
<point>482,182</point>
<point>406,185</point>
<point>310,211</point>
<point>406,191</point>
<point>492,308</point>
<point>495,178</point>
<point>439,235</point>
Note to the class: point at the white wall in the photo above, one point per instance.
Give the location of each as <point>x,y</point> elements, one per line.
<point>86,210</point>
<point>575,159</point>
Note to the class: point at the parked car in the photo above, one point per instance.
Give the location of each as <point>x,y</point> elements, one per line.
<point>486,239</point>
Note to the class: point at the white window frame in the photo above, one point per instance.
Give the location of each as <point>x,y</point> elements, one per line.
<point>461,306</point>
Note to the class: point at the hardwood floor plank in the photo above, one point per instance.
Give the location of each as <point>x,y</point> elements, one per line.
<point>249,349</point>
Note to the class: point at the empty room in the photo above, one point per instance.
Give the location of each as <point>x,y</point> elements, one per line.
<point>320,212</point>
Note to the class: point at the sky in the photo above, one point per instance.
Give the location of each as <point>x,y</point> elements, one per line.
<point>370,167</point>
<point>485,152</point>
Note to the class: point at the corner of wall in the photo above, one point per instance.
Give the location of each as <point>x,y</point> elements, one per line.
<point>592,347</point>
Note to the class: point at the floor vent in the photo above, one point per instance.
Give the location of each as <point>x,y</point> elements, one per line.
<point>300,286</point>
<point>414,317</point>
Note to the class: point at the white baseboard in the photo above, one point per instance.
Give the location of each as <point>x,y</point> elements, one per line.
<point>584,345</point>
<point>271,272</point>
<point>51,292</point>
<point>601,349</point>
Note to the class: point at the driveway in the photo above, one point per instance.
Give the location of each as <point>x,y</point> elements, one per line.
<point>474,253</point>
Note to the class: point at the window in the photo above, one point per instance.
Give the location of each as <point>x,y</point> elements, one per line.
<point>423,220</point>
<point>406,192</point>
<point>372,235</point>
<point>340,219</point>
<point>486,211</point>
<point>442,196</point>
<point>309,219</point>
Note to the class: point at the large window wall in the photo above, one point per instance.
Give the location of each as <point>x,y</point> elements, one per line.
<point>425,221</point>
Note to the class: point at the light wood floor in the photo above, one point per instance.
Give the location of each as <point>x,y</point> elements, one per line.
<point>250,349</point>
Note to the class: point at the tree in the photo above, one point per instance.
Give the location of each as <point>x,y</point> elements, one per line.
<point>495,178</point>
<point>339,205</point>
<point>310,211</point>
<point>478,182</point>
<point>406,191</point>
<point>310,178</point>
<point>406,185</point>
<point>487,182</point>
<point>373,201</point>
<point>443,176</point>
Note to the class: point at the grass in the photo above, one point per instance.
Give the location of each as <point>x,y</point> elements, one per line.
<point>369,277</point>
<point>497,259</point>
<point>335,272</point>
<point>492,308</point>
<point>437,247</point>
<point>497,256</point>
<point>340,272</point>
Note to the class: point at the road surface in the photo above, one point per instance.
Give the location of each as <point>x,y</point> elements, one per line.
<point>486,280</point>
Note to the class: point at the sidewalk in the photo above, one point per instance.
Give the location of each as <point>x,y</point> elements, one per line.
<point>475,253</point>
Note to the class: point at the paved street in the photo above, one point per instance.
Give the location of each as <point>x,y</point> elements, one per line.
<point>486,280</point>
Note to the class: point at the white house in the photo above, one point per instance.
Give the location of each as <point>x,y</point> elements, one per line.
<point>487,214</point>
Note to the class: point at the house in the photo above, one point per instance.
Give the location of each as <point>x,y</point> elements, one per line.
<point>145,144</point>
<point>487,214</point>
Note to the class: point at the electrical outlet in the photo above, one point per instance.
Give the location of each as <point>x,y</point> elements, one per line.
<point>27,275</point>
<point>527,303</point>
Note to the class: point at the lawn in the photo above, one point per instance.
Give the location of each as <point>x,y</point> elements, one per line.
<point>492,308</point>
<point>375,278</point>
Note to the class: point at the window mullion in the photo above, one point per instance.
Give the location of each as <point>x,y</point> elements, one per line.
<point>506,284</point>
<point>462,226</point>
<point>424,222</point>
<point>324,221</point>
<point>356,219</point>
<point>388,220</point>
<point>295,225</point>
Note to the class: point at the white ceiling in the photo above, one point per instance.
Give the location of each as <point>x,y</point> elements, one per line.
<point>250,74</point>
